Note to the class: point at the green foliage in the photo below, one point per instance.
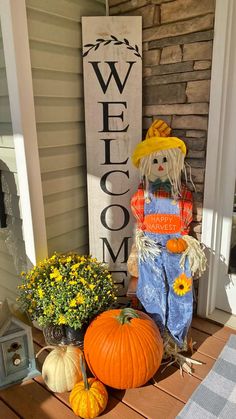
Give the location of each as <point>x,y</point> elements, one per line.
<point>66,289</point>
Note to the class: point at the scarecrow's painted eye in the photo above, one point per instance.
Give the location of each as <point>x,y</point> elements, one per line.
<point>164,160</point>
<point>155,161</point>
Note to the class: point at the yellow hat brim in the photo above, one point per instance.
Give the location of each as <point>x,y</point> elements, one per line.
<point>153,144</point>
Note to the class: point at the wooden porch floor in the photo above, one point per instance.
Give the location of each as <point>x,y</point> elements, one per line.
<point>162,400</point>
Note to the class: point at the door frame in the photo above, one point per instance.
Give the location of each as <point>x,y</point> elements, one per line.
<point>20,89</point>
<point>221,139</point>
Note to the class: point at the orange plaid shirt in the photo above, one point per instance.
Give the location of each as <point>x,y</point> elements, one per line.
<point>185,205</point>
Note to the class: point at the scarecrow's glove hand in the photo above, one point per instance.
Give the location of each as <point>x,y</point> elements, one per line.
<point>196,256</point>
<point>147,248</point>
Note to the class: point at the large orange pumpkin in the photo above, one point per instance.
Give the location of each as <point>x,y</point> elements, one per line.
<point>177,245</point>
<point>123,348</point>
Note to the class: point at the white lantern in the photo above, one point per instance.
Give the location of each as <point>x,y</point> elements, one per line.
<point>17,361</point>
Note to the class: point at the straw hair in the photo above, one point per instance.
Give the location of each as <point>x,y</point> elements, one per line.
<point>175,164</point>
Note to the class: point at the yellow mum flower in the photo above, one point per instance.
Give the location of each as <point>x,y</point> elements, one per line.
<point>56,274</point>
<point>62,319</point>
<point>96,298</point>
<point>79,298</point>
<point>82,280</point>
<point>72,282</point>
<point>75,266</point>
<point>182,285</point>
<point>40,293</point>
<point>49,310</point>
<point>73,303</point>
<point>92,286</point>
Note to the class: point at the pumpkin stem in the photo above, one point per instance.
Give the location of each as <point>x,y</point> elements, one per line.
<point>83,370</point>
<point>44,348</point>
<point>126,315</point>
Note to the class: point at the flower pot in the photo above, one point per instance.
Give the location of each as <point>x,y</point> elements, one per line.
<point>64,335</point>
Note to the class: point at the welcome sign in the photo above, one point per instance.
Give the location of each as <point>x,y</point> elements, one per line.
<point>113,120</point>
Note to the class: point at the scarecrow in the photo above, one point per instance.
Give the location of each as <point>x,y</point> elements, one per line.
<point>167,256</point>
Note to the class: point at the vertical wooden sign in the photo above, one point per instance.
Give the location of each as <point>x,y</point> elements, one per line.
<point>113,120</point>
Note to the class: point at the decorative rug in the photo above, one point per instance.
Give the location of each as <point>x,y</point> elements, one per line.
<point>216,395</point>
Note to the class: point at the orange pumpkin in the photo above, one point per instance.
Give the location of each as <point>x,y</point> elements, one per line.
<point>123,348</point>
<point>177,245</point>
<point>89,397</point>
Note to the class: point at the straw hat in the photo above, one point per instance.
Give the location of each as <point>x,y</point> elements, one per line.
<point>156,139</point>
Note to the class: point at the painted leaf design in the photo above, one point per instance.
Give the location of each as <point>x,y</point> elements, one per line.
<point>100,40</point>
<point>114,37</point>
<point>118,43</point>
<point>96,47</point>
<point>88,45</point>
<point>85,53</point>
<point>126,41</point>
<point>107,42</point>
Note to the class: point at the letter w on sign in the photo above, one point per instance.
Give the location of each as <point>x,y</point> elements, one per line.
<point>112,65</point>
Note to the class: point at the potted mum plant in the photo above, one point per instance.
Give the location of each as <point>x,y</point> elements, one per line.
<point>64,293</point>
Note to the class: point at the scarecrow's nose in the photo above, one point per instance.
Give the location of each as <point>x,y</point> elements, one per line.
<point>160,168</point>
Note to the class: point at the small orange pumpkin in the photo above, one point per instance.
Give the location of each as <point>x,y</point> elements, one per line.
<point>123,348</point>
<point>89,397</point>
<point>177,245</point>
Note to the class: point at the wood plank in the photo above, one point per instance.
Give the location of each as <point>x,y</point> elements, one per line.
<point>68,9</point>
<point>151,402</point>
<point>115,409</point>
<point>218,331</point>
<point>30,397</point>
<point>61,158</point>
<point>60,134</point>
<point>47,83</point>
<point>57,110</point>
<point>63,180</point>
<point>54,57</point>
<point>116,188</point>
<point>6,412</point>
<point>207,345</point>
<point>173,383</point>
<point>200,371</point>
<point>54,29</point>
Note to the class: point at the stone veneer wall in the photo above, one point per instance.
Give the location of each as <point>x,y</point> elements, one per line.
<point>177,52</point>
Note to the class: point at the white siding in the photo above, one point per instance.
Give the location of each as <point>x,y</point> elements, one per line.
<point>55,47</point>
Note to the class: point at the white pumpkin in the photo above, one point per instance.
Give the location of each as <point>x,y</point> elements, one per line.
<point>61,369</point>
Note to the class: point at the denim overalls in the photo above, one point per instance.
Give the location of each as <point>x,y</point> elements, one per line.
<point>155,285</point>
